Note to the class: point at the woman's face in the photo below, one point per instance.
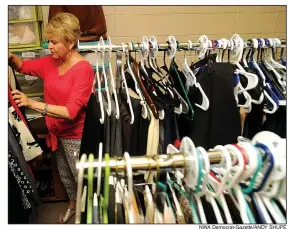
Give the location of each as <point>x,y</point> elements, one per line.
<point>58,49</point>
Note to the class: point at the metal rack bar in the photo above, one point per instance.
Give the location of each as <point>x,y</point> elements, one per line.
<point>146,163</point>
<point>161,47</point>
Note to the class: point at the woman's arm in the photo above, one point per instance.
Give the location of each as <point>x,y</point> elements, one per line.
<point>29,67</point>
<point>53,111</point>
<point>15,61</point>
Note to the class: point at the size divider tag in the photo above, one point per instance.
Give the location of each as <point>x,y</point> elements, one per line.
<point>28,55</point>
<point>47,51</point>
<point>30,78</point>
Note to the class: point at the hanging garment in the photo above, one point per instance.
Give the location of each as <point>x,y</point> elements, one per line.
<point>139,126</point>
<point>120,218</point>
<point>25,186</point>
<point>220,124</point>
<point>16,211</point>
<point>111,202</point>
<point>161,146</point>
<point>34,200</point>
<point>29,146</point>
<point>107,134</point>
<point>93,130</point>
<point>115,132</point>
<point>91,19</point>
<point>153,136</point>
<point>126,127</point>
<point>276,122</point>
<point>11,78</point>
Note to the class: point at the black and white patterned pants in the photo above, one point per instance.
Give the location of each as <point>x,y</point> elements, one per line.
<point>66,155</point>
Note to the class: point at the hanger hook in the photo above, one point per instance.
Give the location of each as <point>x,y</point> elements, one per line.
<point>109,46</point>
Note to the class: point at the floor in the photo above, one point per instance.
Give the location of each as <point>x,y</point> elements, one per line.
<point>49,212</point>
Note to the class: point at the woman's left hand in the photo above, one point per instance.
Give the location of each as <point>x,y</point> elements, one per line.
<point>21,99</point>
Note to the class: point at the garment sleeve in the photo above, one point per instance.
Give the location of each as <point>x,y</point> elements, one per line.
<point>34,67</point>
<point>80,91</point>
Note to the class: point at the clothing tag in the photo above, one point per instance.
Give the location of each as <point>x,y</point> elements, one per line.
<point>30,78</point>
<point>28,55</point>
<point>47,52</point>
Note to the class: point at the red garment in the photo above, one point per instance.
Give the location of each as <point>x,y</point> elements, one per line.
<point>71,90</point>
<point>16,108</point>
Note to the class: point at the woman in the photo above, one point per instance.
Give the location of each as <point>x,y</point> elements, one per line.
<point>68,82</point>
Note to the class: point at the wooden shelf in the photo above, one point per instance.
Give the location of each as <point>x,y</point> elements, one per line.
<point>52,199</point>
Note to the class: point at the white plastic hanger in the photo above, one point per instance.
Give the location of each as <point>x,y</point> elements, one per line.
<point>248,103</point>
<point>274,42</point>
<point>79,188</point>
<point>278,151</point>
<point>277,217</point>
<point>143,102</point>
<point>171,52</point>
<point>126,88</point>
<point>220,187</point>
<point>263,209</point>
<point>99,169</point>
<point>223,168</point>
<point>275,107</point>
<point>238,168</point>
<point>251,167</point>
<point>192,165</point>
<point>246,51</point>
<point>238,51</point>
<point>205,171</point>
<point>282,194</point>
<point>128,174</point>
<point>112,80</point>
<point>102,53</point>
<point>242,204</point>
<point>99,90</point>
<point>205,44</point>
<point>221,44</point>
<point>193,81</point>
<point>269,62</point>
<point>143,55</point>
<point>204,189</point>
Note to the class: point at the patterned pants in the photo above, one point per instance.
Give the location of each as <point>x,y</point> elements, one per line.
<point>66,155</point>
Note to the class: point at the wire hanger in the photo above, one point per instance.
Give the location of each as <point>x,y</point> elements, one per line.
<point>112,80</point>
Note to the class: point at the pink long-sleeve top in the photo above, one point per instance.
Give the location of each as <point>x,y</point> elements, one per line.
<point>71,90</point>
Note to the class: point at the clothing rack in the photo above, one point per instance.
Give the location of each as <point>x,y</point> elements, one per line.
<point>151,163</point>
<point>152,45</point>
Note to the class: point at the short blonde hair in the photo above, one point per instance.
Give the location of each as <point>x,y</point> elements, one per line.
<point>65,26</point>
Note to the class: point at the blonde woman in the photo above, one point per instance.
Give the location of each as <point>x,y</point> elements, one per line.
<point>68,80</point>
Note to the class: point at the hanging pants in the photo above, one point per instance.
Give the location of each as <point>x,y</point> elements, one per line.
<point>66,155</point>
